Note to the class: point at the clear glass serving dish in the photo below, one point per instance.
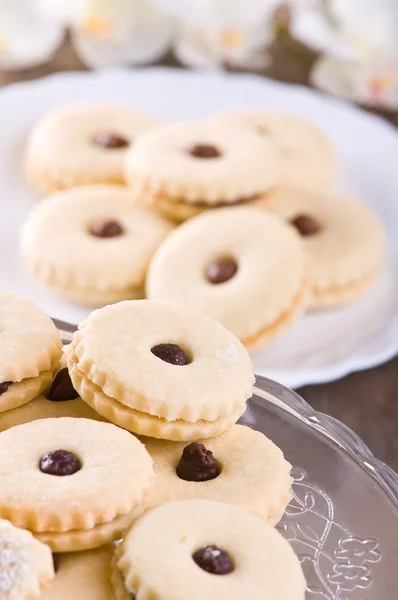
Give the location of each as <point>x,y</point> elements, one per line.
<point>343,518</point>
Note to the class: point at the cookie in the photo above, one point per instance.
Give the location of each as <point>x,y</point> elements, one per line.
<point>241,467</point>
<point>160,369</point>
<point>82,145</point>
<point>72,482</point>
<point>30,350</point>
<point>240,266</point>
<point>199,549</point>
<point>184,168</point>
<point>310,158</point>
<point>82,576</point>
<point>343,239</point>
<point>43,408</point>
<point>26,565</point>
<point>91,244</point>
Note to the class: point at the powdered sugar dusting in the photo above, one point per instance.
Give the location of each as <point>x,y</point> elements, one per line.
<point>13,565</point>
<point>227,354</point>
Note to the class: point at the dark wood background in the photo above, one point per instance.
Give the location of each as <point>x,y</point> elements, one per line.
<point>366,401</point>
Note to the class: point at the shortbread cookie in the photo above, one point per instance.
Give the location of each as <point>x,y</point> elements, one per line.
<point>85,539</point>
<point>43,408</point>
<point>144,423</point>
<point>241,467</point>
<point>82,576</point>
<point>30,350</point>
<point>91,244</point>
<point>240,266</point>
<point>309,157</point>
<point>62,477</point>
<point>185,168</point>
<point>196,549</point>
<point>344,242</point>
<point>82,145</point>
<point>161,368</point>
<point>26,565</point>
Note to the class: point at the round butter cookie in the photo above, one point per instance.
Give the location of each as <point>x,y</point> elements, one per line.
<point>30,350</point>
<point>82,576</point>
<point>61,400</point>
<point>241,467</point>
<point>161,370</point>
<point>204,550</point>
<point>26,565</point>
<point>72,482</point>
<point>91,244</point>
<point>309,157</point>
<point>241,266</point>
<point>82,145</point>
<point>183,169</point>
<point>343,239</point>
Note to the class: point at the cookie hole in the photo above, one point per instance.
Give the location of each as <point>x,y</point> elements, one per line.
<point>172,353</point>
<point>221,269</point>
<point>62,388</point>
<point>106,228</point>
<point>306,224</point>
<point>197,463</point>
<point>110,140</point>
<point>214,560</point>
<point>60,463</point>
<point>204,151</point>
<point>4,386</point>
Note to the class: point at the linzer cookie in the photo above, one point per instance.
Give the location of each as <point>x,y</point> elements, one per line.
<point>82,145</point>
<point>50,406</point>
<point>161,370</point>
<point>343,239</point>
<point>185,168</point>
<point>199,549</point>
<point>241,467</point>
<point>72,482</point>
<point>26,565</point>
<point>91,244</point>
<point>309,157</point>
<point>30,350</point>
<point>240,266</point>
<point>82,576</point>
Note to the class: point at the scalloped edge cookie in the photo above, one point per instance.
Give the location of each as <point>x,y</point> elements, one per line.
<point>116,472</point>
<point>142,423</point>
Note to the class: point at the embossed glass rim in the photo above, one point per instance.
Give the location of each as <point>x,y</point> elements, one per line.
<point>334,429</point>
<point>290,401</point>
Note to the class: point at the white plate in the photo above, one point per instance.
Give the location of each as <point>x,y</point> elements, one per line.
<point>319,347</point>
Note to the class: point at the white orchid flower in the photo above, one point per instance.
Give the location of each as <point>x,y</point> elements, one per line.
<point>28,36</point>
<point>374,82</point>
<point>212,32</point>
<point>358,40</point>
<point>115,32</point>
<point>105,32</point>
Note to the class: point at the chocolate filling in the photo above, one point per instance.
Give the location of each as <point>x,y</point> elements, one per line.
<point>171,353</point>
<point>214,560</point>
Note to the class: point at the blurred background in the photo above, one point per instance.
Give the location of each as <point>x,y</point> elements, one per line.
<point>347,48</point>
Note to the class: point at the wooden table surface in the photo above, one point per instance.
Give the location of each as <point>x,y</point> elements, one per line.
<point>366,401</point>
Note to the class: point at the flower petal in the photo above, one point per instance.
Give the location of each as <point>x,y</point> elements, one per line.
<point>209,47</point>
<point>220,13</point>
<point>122,32</point>
<point>372,82</point>
<point>27,36</point>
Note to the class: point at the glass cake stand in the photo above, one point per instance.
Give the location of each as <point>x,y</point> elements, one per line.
<point>343,518</point>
